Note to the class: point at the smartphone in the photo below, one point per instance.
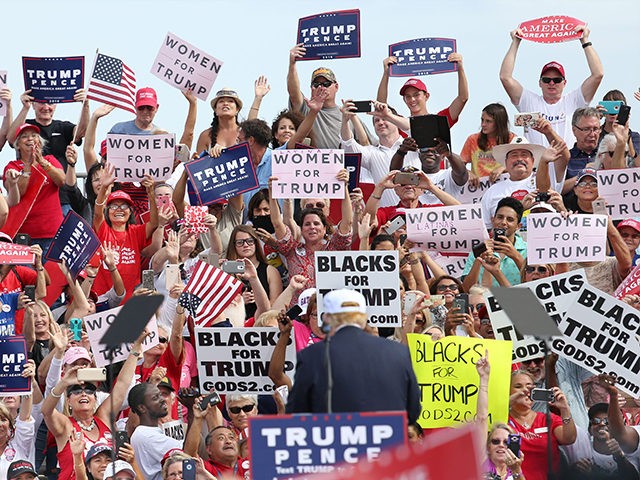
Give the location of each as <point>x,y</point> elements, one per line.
<point>362,106</point>
<point>121,437</point>
<point>177,224</point>
<point>182,153</point>
<point>263,222</point>
<point>294,312</point>
<point>410,299</point>
<point>148,277</point>
<point>163,202</point>
<point>542,395</point>
<point>210,258</point>
<point>513,444</point>
<point>479,249</point>
<point>461,300</point>
<point>497,233</point>
<point>623,115</point>
<point>30,291</point>
<point>402,239</point>
<point>599,207</point>
<point>211,399</point>
<point>233,266</point>
<point>612,107</point>
<point>22,239</point>
<point>406,178</point>
<point>395,224</point>
<point>92,374</point>
<point>526,119</point>
<point>171,275</point>
<point>75,325</point>
<point>283,391</point>
<point>189,469</point>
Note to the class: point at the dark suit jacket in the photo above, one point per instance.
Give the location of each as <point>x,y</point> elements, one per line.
<point>369,374</point>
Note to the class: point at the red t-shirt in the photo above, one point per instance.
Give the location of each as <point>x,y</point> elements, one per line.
<point>174,372</point>
<point>384,214</point>
<point>128,245</point>
<point>45,216</point>
<point>533,443</point>
<point>223,472</point>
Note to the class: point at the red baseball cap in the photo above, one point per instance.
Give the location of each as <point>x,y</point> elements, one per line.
<point>553,66</point>
<point>26,126</point>
<point>146,97</point>
<point>416,83</point>
<point>120,195</point>
<point>103,148</point>
<point>631,223</point>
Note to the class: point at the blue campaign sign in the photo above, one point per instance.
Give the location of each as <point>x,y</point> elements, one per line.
<point>215,179</point>
<point>53,80</point>
<point>75,243</point>
<point>422,56</point>
<point>352,164</point>
<point>286,446</point>
<point>330,35</point>
<point>13,355</point>
<point>8,307</point>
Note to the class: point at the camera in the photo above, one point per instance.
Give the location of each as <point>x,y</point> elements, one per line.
<point>543,197</point>
<point>542,395</point>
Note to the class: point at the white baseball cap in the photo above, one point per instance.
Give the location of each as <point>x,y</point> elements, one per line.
<point>116,467</point>
<point>344,300</point>
<point>303,299</point>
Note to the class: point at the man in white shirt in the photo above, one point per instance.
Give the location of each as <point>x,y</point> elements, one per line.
<point>552,104</point>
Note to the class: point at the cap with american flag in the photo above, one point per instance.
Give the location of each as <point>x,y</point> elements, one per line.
<point>113,83</point>
<point>208,292</point>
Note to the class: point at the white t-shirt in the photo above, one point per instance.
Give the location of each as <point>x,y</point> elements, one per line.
<point>442,179</point>
<point>21,447</point>
<point>583,448</point>
<point>150,445</point>
<point>559,114</point>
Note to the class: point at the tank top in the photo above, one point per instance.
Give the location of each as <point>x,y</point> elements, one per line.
<point>65,457</point>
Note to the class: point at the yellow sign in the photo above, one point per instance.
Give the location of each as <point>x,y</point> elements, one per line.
<point>449,381</point>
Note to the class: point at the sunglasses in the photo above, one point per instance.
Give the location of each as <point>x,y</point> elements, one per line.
<point>319,205</point>
<point>245,241</point>
<point>81,390</point>
<point>539,269</point>
<point>325,84</point>
<point>635,236</point>
<point>599,421</point>
<point>478,306</point>
<point>443,288</point>
<point>244,408</point>
<point>533,360</point>
<point>552,79</point>
<point>497,441</point>
<point>163,339</point>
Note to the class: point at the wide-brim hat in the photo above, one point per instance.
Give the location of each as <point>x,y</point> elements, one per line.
<point>500,152</point>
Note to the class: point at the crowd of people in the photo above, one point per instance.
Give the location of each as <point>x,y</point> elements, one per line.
<point>63,429</point>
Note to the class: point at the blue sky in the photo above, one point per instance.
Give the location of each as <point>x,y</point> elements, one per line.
<point>253,38</point>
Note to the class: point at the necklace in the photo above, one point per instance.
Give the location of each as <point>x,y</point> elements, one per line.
<point>91,426</point>
<point>523,420</point>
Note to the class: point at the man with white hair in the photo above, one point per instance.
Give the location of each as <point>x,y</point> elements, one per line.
<point>361,381</point>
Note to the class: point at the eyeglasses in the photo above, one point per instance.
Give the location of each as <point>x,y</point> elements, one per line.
<point>163,339</point>
<point>244,408</point>
<point>477,306</point>
<point>443,288</point>
<point>325,84</point>
<point>587,184</point>
<point>245,241</point>
<point>121,206</point>
<point>497,441</point>
<point>588,129</point>
<point>319,205</point>
<point>80,390</point>
<point>635,236</point>
<point>531,269</point>
<point>552,79</point>
<point>599,421</point>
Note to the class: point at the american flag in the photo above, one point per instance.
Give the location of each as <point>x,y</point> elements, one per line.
<point>113,83</point>
<point>208,292</point>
